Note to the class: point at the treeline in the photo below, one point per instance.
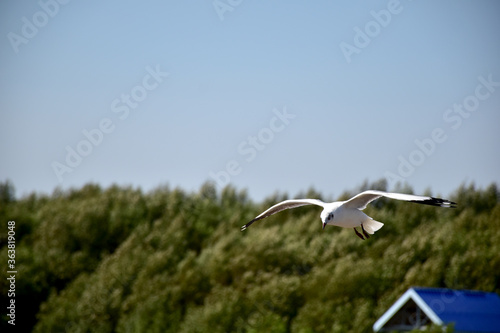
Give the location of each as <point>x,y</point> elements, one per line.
<point>120,260</point>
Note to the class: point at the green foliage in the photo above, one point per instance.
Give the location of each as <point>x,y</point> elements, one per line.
<point>120,260</point>
<point>436,329</point>
<point>7,192</point>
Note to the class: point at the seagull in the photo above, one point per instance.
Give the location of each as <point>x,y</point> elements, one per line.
<point>348,214</point>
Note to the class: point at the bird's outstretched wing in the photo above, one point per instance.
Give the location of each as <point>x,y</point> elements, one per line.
<point>284,205</point>
<point>361,200</point>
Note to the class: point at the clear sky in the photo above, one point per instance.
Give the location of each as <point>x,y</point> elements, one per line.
<point>267,95</point>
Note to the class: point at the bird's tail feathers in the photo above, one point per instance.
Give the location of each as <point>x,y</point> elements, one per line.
<point>371,226</point>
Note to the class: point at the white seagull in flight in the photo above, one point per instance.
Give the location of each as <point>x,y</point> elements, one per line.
<point>348,214</point>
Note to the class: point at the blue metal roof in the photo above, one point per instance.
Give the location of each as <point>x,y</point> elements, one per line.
<point>471,311</point>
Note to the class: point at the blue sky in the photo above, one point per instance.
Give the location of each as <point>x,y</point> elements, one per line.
<point>267,96</point>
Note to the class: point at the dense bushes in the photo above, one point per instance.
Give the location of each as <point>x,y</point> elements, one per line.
<point>118,259</point>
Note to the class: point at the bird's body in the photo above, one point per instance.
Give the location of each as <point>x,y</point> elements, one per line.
<point>348,214</point>
<point>346,217</point>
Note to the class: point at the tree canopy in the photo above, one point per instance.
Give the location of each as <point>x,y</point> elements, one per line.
<point>120,260</point>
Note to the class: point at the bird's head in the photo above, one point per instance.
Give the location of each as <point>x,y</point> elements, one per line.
<point>326,217</point>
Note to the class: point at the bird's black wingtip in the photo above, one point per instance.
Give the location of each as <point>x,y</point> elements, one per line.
<point>437,202</point>
<point>248,224</point>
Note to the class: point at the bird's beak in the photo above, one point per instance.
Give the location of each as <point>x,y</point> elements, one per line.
<point>324,225</point>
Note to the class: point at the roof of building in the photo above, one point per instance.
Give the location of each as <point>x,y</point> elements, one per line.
<point>470,311</point>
